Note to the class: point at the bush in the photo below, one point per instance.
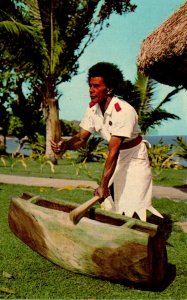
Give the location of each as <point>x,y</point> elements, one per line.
<point>38,147</point>
<point>162,156</point>
<point>181,148</point>
<point>93,151</point>
<point>69,128</point>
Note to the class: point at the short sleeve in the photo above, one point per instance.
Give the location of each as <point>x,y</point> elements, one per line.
<point>87,121</point>
<point>125,123</point>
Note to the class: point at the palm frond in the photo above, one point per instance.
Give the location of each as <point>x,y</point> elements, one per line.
<point>155,118</point>
<point>169,96</point>
<point>181,147</point>
<point>34,13</point>
<point>16,28</point>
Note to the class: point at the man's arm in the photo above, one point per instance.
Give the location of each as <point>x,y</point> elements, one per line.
<point>114,145</point>
<point>76,142</point>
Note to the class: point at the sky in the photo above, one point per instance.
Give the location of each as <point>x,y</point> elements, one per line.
<point>120,44</point>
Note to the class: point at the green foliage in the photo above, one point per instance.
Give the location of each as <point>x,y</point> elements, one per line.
<point>48,163</point>
<point>21,115</point>
<point>83,169</point>
<point>38,146</point>
<point>181,148</point>
<point>92,151</point>
<point>161,156</point>
<point>69,127</point>
<point>19,160</point>
<point>46,53</point>
<point>3,160</point>
<point>57,33</point>
<point>16,127</point>
<point>7,95</point>
<point>8,21</point>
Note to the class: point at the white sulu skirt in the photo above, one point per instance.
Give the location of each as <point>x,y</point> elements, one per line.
<point>132,182</point>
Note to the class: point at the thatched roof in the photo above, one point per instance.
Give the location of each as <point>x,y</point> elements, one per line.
<point>163,54</point>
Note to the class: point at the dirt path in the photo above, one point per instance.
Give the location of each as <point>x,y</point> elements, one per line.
<point>158,191</point>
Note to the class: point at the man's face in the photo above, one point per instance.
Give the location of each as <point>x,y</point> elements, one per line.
<point>98,89</point>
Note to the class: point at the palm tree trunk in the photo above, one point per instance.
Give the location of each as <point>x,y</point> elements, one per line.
<point>53,129</point>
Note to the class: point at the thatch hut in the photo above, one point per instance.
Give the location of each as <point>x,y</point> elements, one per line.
<point>163,54</point>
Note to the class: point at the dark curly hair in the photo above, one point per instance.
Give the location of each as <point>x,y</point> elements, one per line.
<point>111,74</point>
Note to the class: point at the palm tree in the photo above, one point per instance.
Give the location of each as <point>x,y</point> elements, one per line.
<point>141,95</point>
<point>62,31</point>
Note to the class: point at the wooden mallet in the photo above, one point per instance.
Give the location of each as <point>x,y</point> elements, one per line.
<point>77,213</point>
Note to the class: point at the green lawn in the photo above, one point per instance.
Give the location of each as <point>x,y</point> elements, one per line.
<point>69,169</point>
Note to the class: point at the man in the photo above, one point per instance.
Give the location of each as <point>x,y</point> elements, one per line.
<point>127,167</point>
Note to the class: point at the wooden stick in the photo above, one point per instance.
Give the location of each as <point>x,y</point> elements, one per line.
<point>77,213</point>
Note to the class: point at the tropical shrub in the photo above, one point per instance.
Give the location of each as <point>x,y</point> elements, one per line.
<point>181,148</point>
<point>94,150</point>
<point>38,146</point>
<point>69,127</point>
<point>161,156</point>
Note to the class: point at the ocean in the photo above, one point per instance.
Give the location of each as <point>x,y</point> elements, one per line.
<point>12,144</point>
<point>167,139</point>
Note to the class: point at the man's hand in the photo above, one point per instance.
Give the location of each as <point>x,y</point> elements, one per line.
<point>58,147</point>
<point>102,192</point>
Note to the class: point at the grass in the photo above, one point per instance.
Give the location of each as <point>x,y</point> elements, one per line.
<point>170,177</point>
<point>68,169</point>
<point>26,275</point>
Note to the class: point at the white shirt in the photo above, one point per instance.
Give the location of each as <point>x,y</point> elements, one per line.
<point>120,119</point>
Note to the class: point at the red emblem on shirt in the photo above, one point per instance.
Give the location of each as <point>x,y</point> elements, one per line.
<point>117,106</point>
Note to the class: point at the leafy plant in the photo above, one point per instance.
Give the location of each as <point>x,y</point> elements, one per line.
<point>38,147</point>
<point>69,127</point>
<point>92,151</point>
<point>15,127</point>
<point>2,159</point>
<point>48,162</point>
<point>20,160</point>
<point>161,156</point>
<point>181,147</point>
